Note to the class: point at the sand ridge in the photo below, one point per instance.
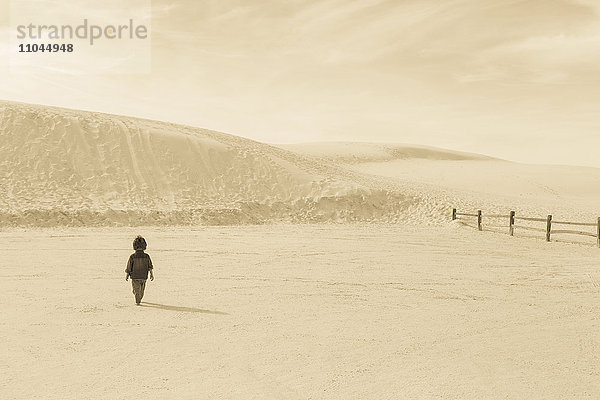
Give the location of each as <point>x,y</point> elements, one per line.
<point>67,167</point>
<point>62,167</point>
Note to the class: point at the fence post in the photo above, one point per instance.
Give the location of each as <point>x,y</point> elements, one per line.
<point>598,231</point>
<point>454,214</point>
<point>479,218</point>
<point>511,227</point>
<point>548,228</point>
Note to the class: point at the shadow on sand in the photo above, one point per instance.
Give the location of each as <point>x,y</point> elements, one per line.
<point>182,309</point>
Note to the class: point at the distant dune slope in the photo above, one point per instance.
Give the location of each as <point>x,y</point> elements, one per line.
<point>66,167</point>
<point>356,152</point>
<point>470,181</point>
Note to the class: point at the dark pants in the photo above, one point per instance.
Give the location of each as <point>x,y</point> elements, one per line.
<point>138,289</point>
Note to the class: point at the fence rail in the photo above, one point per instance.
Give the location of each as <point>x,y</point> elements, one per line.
<point>573,223</point>
<point>511,217</point>
<point>531,219</point>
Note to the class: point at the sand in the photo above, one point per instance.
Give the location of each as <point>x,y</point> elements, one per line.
<point>62,167</point>
<point>311,271</point>
<point>299,312</point>
<point>471,181</point>
<point>73,168</point>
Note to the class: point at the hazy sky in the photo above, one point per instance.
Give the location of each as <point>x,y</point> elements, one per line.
<point>518,79</point>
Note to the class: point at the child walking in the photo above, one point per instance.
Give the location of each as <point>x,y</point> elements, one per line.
<point>138,266</point>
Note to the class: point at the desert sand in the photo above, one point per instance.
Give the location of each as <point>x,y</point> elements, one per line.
<point>309,271</point>
<point>72,168</point>
<point>299,312</point>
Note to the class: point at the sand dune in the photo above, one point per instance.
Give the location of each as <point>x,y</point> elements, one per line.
<point>63,167</point>
<point>356,152</point>
<point>66,167</point>
<point>471,181</point>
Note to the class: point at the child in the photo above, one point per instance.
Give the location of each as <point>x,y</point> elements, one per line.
<point>138,266</point>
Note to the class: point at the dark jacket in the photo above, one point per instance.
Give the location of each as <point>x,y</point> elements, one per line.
<point>138,265</point>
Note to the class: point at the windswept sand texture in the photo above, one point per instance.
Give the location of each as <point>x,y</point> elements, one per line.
<point>471,181</point>
<point>64,167</point>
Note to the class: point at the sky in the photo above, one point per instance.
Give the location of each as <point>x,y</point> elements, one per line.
<point>516,79</point>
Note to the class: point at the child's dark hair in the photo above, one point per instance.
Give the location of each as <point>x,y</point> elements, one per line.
<point>139,243</point>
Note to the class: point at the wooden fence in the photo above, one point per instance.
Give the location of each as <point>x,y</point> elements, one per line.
<point>549,230</point>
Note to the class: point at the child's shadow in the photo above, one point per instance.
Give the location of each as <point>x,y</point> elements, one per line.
<point>182,309</point>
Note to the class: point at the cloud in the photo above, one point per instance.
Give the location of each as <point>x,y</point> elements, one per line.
<point>557,49</point>
<point>557,58</point>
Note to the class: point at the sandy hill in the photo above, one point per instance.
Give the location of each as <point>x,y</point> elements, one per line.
<point>67,167</point>
<point>356,152</point>
<point>471,181</point>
